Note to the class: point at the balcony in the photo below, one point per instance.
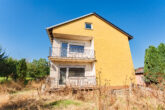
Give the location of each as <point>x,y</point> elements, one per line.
<point>70,55</point>
<point>87,81</point>
<point>81,81</point>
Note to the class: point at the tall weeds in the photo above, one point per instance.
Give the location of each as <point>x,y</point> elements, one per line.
<point>92,98</point>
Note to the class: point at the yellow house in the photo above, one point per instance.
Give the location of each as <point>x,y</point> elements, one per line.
<point>89,50</point>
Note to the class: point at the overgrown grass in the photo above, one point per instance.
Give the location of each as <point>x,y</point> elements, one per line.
<point>3,79</point>
<point>63,103</point>
<point>29,78</point>
<point>102,98</point>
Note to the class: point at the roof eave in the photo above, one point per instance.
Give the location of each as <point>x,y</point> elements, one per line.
<point>116,27</point>
<point>50,38</point>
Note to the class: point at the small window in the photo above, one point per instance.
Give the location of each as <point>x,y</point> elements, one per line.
<point>76,72</point>
<point>88,25</point>
<point>76,48</point>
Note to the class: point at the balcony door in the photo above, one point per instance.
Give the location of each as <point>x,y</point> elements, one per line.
<point>62,79</point>
<point>64,47</point>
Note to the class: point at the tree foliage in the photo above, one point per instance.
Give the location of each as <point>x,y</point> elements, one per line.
<point>154,64</point>
<point>161,51</point>
<point>2,55</point>
<point>10,68</point>
<point>21,69</point>
<point>38,68</point>
<point>2,61</point>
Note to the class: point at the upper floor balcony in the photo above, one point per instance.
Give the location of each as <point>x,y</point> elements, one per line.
<point>72,54</point>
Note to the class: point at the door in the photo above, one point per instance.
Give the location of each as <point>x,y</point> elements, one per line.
<point>64,47</point>
<point>62,80</point>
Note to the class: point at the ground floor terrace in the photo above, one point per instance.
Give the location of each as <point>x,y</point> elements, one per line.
<point>72,74</point>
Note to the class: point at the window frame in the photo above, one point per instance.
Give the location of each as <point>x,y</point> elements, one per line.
<point>72,43</point>
<point>76,76</point>
<point>71,66</point>
<point>90,24</point>
<point>78,44</point>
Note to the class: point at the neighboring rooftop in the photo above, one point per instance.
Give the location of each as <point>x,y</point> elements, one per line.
<point>140,70</point>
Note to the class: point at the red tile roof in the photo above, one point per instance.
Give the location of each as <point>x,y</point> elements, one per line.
<point>139,70</point>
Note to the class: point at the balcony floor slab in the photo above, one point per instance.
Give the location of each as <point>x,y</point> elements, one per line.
<point>67,59</point>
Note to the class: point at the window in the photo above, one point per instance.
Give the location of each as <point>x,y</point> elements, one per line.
<point>88,25</point>
<point>76,48</point>
<point>76,72</point>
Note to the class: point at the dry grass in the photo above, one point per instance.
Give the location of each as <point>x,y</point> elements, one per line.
<point>31,97</point>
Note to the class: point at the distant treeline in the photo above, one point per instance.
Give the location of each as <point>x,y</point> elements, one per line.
<point>22,69</point>
<point>154,64</point>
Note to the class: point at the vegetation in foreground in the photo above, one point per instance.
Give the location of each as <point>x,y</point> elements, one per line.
<point>21,70</point>
<point>18,91</point>
<point>16,96</point>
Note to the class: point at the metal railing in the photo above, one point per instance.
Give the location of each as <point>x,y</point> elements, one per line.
<point>81,81</point>
<point>71,53</point>
<point>74,81</point>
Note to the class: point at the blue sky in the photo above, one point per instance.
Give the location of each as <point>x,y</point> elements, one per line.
<point>23,23</point>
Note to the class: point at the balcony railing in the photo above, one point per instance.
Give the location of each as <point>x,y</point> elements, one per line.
<point>74,81</point>
<point>82,81</point>
<point>71,53</point>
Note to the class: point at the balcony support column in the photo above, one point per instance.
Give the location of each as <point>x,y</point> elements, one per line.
<point>53,75</point>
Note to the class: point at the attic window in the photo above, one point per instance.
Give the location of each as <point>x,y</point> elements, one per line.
<point>88,26</point>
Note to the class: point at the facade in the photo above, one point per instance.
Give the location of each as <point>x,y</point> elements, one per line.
<point>139,73</point>
<point>89,48</point>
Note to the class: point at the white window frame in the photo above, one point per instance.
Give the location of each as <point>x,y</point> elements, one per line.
<point>78,44</point>
<point>71,66</point>
<point>71,43</point>
<point>90,24</point>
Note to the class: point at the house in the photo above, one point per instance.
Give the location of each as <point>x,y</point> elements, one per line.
<point>89,50</point>
<point>139,73</point>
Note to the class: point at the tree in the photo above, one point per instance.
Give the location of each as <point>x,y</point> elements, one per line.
<point>154,64</point>
<point>21,69</point>
<point>151,64</point>
<point>38,68</point>
<point>43,67</point>
<point>10,67</point>
<point>161,51</point>
<point>2,61</point>
<point>2,54</point>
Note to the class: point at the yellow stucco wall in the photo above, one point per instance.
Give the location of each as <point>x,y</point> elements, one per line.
<point>111,46</point>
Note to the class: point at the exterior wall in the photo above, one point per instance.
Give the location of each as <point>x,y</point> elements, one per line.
<point>88,79</point>
<point>140,80</point>
<point>111,46</point>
